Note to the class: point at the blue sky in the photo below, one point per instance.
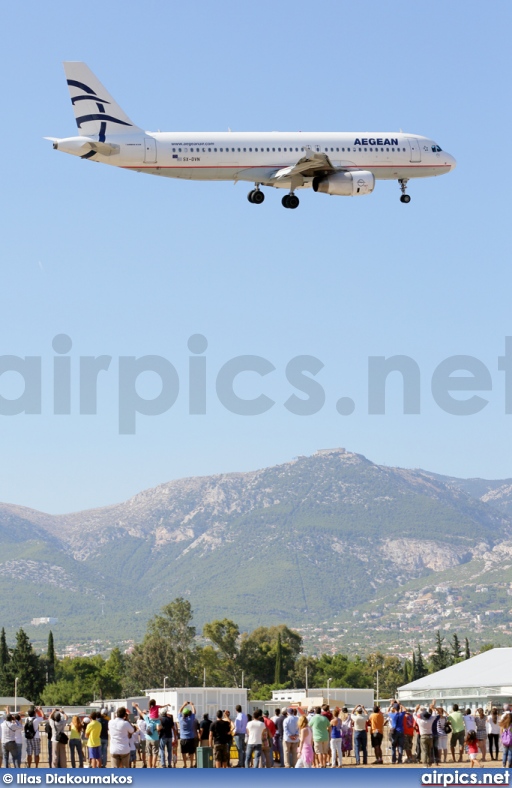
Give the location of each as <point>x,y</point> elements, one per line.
<point>128,265</point>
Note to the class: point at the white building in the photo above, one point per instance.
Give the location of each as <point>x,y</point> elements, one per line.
<point>484,680</point>
<point>335,696</point>
<point>113,704</point>
<point>37,622</point>
<point>205,699</point>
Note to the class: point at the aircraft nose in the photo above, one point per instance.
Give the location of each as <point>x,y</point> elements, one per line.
<point>452,161</point>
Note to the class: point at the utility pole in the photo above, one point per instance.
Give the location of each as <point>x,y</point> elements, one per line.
<point>307,684</point>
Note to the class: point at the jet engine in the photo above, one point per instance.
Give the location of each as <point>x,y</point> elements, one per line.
<point>346,184</point>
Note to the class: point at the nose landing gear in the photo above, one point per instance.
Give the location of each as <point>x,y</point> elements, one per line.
<point>403,186</point>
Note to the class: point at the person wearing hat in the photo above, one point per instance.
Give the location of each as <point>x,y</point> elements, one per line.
<point>165,729</point>
<point>187,717</point>
<point>425,720</point>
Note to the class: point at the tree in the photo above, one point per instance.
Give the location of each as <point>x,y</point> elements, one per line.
<point>4,651</point>
<point>467,652</point>
<point>258,653</point>
<point>4,663</point>
<point>279,656</point>
<point>110,680</point>
<point>421,670</point>
<point>304,665</point>
<point>407,671</point>
<point>440,659</point>
<point>51,659</point>
<point>208,661</point>
<point>167,649</point>
<point>79,681</point>
<point>27,667</point>
<point>456,649</point>
<point>224,635</point>
<point>414,669</point>
<point>264,691</point>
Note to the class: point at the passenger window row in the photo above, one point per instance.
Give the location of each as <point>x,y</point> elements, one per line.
<point>290,150</point>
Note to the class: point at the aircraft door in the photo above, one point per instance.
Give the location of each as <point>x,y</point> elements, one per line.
<point>415,149</point>
<point>149,150</point>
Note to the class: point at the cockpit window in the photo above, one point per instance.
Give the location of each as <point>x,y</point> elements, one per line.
<point>436,148</point>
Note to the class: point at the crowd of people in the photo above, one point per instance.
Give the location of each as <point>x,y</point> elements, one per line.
<point>291,738</point>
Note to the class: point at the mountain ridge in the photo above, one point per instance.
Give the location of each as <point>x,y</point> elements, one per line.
<point>368,528</point>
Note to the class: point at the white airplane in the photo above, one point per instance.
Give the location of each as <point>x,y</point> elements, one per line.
<point>335,163</point>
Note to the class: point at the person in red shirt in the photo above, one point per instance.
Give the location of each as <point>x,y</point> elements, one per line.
<point>267,746</point>
<point>269,723</point>
<point>326,712</point>
<point>473,750</point>
<point>408,735</point>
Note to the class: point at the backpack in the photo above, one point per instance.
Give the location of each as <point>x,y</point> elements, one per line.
<point>150,728</point>
<point>29,728</point>
<point>506,737</point>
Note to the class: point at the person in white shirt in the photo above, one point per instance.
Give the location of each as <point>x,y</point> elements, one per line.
<point>10,727</point>
<point>133,748</point>
<point>469,721</point>
<point>291,739</point>
<point>120,731</point>
<point>20,739</point>
<point>141,725</point>
<point>256,730</point>
<point>493,733</point>
<point>425,719</point>
<point>34,718</point>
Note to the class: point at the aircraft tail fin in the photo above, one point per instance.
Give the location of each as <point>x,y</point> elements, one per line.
<point>96,112</point>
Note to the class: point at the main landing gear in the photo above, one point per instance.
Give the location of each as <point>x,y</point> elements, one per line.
<point>256,196</point>
<point>290,201</point>
<point>403,186</point>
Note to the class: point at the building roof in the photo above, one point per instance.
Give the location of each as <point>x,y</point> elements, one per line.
<point>12,701</point>
<point>492,668</point>
<point>194,689</point>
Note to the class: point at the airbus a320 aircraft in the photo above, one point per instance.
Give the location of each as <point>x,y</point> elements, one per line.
<point>335,163</point>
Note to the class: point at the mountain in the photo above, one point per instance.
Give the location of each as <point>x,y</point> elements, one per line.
<point>496,493</point>
<point>313,541</point>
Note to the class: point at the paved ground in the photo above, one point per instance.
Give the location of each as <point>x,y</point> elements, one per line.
<point>347,763</point>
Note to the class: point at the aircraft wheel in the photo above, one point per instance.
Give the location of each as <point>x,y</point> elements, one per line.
<point>293,201</point>
<point>257,197</point>
<point>285,200</point>
<point>250,196</point>
<point>405,198</point>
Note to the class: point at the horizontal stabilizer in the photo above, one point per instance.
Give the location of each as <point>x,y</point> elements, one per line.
<point>81,146</point>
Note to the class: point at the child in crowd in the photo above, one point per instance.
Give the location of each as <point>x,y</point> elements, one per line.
<point>474,753</point>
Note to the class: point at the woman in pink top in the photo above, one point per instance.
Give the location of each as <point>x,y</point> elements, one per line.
<point>305,742</point>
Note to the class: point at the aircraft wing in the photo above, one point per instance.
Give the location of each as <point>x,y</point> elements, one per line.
<point>311,164</point>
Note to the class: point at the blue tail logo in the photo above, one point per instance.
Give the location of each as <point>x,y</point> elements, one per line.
<point>101,115</point>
